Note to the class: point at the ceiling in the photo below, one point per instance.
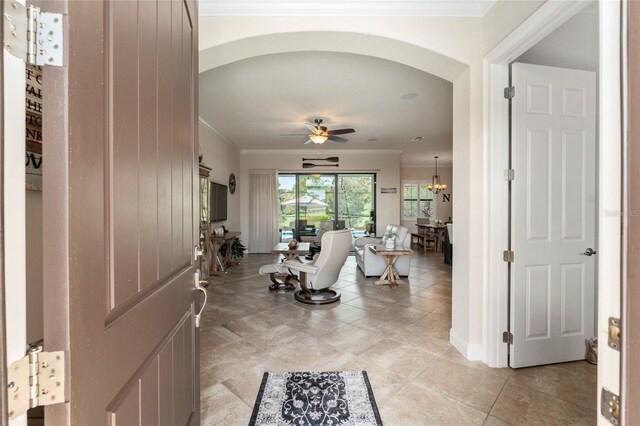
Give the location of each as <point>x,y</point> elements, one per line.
<point>251,102</point>
<point>463,8</point>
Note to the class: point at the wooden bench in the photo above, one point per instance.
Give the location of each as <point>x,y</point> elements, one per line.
<point>424,239</point>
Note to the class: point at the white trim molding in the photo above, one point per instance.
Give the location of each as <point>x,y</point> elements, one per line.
<point>458,8</point>
<point>311,151</point>
<point>472,352</point>
<point>213,130</point>
<point>495,283</point>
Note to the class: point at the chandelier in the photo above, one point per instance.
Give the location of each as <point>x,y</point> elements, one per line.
<point>435,186</point>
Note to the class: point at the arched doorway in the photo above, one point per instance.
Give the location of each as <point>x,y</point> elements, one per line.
<point>466,331</point>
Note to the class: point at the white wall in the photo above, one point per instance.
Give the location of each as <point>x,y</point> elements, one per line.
<point>573,45</point>
<point>223,159</point>
<point>444,209</point>
<point>504,17</point>
<point>385,165</point>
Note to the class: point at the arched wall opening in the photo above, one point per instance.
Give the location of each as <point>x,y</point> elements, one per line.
<point>466,328</point>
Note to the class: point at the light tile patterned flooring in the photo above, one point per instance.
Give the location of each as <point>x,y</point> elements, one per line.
<point>399,336</point>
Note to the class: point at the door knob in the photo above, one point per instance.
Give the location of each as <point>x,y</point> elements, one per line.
<point>589,252</point>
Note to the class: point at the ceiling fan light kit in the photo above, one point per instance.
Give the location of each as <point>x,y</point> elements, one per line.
<point>318,138</point>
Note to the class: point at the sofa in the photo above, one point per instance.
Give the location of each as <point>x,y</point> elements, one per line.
<point>373,265</point>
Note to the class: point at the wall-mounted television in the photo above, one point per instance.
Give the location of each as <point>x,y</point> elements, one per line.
<point>218,202</point>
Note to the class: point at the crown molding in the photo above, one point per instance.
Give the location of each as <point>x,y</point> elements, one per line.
<point>213,130</point>
<point>322,151</point>
<point>455,8</point>
<point>444,165</point>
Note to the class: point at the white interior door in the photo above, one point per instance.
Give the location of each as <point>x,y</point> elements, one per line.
<point>553,214</point>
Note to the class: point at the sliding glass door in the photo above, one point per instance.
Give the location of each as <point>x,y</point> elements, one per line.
<point>316,200</point>
<point>356,202</point>
<point>307,199</point>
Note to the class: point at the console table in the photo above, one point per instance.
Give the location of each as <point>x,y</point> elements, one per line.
<point>216,265</point>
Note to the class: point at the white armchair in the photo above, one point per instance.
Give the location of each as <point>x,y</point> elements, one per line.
<point>316,277</point>
<point>373,265</point>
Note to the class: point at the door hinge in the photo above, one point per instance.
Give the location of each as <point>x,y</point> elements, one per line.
<point>35,380</point>
<point>507,337</point>
<point>509,92</point>
<point>610,406</point>
<point>33,36</point>
<point>509,174</point>
<point>615,331</point>
<point>508,256</point>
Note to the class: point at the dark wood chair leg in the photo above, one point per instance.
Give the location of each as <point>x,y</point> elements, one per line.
<point>315,297</point>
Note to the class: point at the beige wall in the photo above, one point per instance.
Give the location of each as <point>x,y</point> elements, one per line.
<point>385,165</point>
<point>224,159</point>
<point>504,17</point>
<point>443,208</point>
<point>34,266</point>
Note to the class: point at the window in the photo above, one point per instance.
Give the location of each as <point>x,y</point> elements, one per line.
<point>307,199</point>
<point>417,201</point>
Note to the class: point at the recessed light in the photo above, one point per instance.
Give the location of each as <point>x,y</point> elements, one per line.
<point>417,139</point>
<point>408,96</point>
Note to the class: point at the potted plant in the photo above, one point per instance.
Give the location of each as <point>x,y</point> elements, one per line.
<point>390,240</point>
<point>237,249</point>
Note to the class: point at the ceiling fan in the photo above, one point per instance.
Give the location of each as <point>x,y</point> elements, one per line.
<point>319,133</point>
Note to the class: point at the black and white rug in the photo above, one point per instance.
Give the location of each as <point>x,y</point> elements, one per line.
<point>315,398</point>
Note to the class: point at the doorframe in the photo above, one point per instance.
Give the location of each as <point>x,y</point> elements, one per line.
<point>13,226</point>
<point>495,291</point>
<point>4,418</point>
<point>630,382</point>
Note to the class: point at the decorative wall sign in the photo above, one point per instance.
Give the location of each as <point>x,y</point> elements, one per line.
<point>388,190</point>
<point>33,127</point>
<point>33,99</point>
<point>33,163</point>
<point>446,198</point>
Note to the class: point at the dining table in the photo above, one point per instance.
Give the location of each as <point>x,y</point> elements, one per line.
<point>424,228</point>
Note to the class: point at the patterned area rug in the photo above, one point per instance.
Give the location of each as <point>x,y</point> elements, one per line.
<point>315,398</point>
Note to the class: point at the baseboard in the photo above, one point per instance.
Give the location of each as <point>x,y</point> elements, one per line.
<point>472,352</point>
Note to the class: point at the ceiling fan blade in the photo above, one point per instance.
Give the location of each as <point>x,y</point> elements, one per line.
<point>338,139</point>
<point>341,131</point>
<point>292,134</point>
<point>310,126</point>
<point>308,142</point>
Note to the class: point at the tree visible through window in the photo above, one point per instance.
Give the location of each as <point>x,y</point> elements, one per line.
<point>417,201</point>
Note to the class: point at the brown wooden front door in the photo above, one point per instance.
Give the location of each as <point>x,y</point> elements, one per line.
<point>121,223</point>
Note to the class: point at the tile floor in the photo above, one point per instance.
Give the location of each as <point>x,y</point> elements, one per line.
<point>399,336</point>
